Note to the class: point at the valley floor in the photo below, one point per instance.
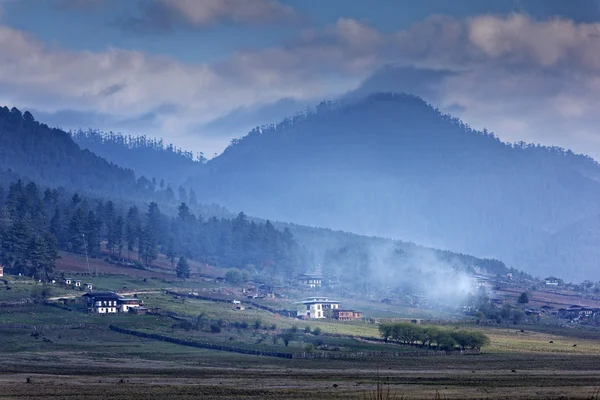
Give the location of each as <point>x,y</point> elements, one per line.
<point>212,375</point>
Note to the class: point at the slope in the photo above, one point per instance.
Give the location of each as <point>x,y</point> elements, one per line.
<point>391,165</point>
<point>29,149</point>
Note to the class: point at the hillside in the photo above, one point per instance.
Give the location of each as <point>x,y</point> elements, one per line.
<point>32,150</point>
<point>148,157</point>
<point>391,165</point>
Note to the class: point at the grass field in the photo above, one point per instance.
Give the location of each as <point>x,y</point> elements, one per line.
<point>71,354</point>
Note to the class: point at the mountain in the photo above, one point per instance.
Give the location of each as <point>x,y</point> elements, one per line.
<point>32,150</point>
<point>392,165</point>
<point>148,157</point>
<point>572,252</point>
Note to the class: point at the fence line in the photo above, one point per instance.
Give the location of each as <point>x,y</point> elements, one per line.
<point>210,346</point>
<point>304,355</point>
<point>381,354</point>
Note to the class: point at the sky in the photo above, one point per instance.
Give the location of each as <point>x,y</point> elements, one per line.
<point>201,72</point>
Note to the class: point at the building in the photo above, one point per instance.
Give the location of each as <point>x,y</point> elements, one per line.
<point>128,305</point>
<point>310,281</point>
<point>102,302</point>
<point>68,281</point>
<point>89,286</point>
<point>552,281</point>
<point>1,270</point>
<point>346,315</point>
<point>577,312</point>
<point>317,307</point>
<point>78,283</point>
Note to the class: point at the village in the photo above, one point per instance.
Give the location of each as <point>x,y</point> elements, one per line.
<point>549,298</point>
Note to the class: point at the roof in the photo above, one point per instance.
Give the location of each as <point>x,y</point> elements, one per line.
<point>319,301</point>
<point>102,295</point>
<point>314,276</point>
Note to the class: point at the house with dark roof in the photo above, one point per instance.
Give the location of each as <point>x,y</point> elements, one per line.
<point>102,302</point>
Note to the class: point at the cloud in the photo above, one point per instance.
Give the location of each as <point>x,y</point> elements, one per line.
<point>522,78</point>
<point>80,5</point>
<point>165,15</point>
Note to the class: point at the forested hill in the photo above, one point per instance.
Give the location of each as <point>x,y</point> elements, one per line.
<point>49,156</point>
<point>391,165</point>
<point>35,223</point>
<point>146,156</point>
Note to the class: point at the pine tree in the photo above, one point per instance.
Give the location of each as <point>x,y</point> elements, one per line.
<point>183,269</point>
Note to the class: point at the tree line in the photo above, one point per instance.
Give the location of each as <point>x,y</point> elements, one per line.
<point>432,336</point>
<point>36,223</point>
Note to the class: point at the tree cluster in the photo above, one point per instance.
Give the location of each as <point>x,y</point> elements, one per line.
<point>33,225</point>
<point>432,336</point>
<point>27,246</point>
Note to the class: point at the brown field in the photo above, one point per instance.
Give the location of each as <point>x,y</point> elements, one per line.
<point>211,375</point>
<point>556,299</point>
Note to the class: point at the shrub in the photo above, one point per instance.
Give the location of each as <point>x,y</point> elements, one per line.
<point>307,329</point>
<point>316,331</point>
<point>309,348</point>
<point>273,327</point>
<point>257,324</point>
<point>294,329</point>
<point>214,328</point>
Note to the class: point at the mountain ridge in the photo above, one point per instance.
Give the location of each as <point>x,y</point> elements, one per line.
<point>392,165</point>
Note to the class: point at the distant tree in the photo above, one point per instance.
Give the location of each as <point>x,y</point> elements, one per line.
<point>287,337</point>
<point>183,269</point>
<point>234,275</point>
<point>523,298</point>
<point>506,310</point>
<point>517,316</point>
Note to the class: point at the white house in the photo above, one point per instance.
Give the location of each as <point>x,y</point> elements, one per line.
<point>102,302</point>
<point>316,307</point>
<point>78,283</point>
<point>127,304</point>
<point>1,270</point>
<point>68,281</point>
<point>89,286</point>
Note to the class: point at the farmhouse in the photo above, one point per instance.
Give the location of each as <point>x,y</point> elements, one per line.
<point>346,315</point>
<point>68,281</point>
<point>89,286</point>
<point>1,271</point>
<point>317,307</point>
<point>552,281</point>
<point>102,302</point>
<point>310,281</point>
<point>78,283</point>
